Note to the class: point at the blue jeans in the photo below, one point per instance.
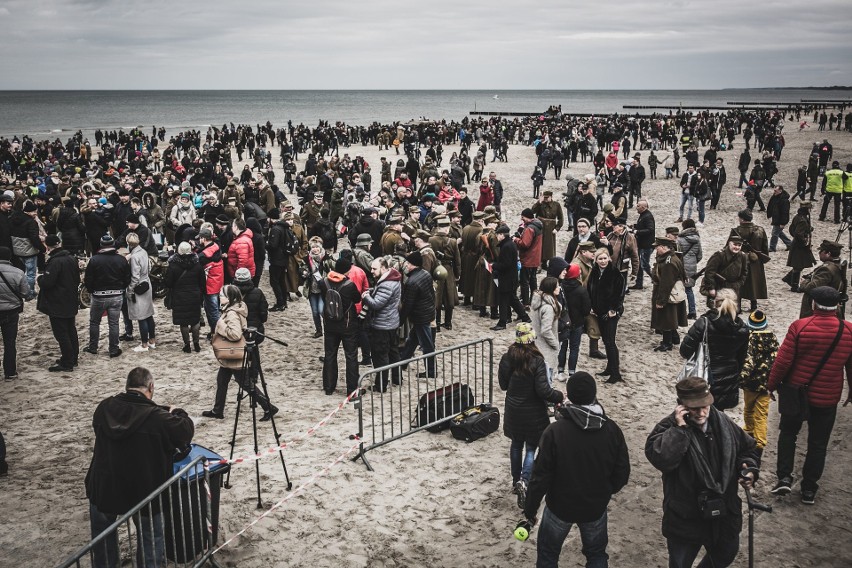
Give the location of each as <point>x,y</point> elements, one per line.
<point>147,329</point>
<point>31,267</point>
<point>644,264</point>
<point>684,199</point>
<point>420,334</point>
<point>553,532</point>
<point>690,300</point>
<point>521,464</point>
<point>150,546</point>
<point>112,305</point>
<point>211,309</point>
<point>723,553</point>
<point>571,348</point>
<point>700,205</point>
<point>778,233</point>
<point>317,305</point>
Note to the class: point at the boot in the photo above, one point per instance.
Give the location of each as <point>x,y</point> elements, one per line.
<point>594,350</point>
<point>196,337</point>
<point>184,332</point>
<point>758,456</point>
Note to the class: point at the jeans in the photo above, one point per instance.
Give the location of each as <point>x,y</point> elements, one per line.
<point>571,348</point>
<point>644,264</point>
<point>150,545</point>
<point>30,267</point>
<point>65,333</point>
<point>778,233</point>
<point>147,331</point>
<point>755,415</point>
<point>553,532</point>
<point>385,349</point>
<point>684,198</point>
<point>528,284</point>
<point>820,424</point>
<point>125,317</point>
<point>9,330</point>
<point>420,334</point>
<point>723,553</point>
<point>317,305</point>
<point>521,464</point>
<point>211,309</point>
<point>332,341</point>
<point>112,305</point>
<point>690,299</point>
<point>700,206</point>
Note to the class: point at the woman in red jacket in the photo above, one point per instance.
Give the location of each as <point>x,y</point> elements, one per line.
<point>486,195</point>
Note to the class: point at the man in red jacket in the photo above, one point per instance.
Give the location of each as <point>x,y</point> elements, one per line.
<point>529,252</point>
<point>809,341</point>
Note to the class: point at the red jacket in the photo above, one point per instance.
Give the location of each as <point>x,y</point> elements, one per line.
<point>241,253</point>
<point>529,245</point>
<point>359,278</point>
<point>806,342</point>
<point>211,260</point>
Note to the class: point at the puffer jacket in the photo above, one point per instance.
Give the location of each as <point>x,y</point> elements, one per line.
<point>418,298</point>
<point>231,326</point>
<point>241,253</point>
<point>9,300</point>
<point>690,245</point>
<point>525,415</point>
<point>727,341</point>
<point>383,301</point>
<point>258,307</point>
<point>210,258</point>
<point>803,349</point>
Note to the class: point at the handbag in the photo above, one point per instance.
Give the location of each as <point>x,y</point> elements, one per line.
<point>699,364</point>
<point>793,399</point>
<point>593,328</point>
<point>678,293</point>
<point>142,287</point>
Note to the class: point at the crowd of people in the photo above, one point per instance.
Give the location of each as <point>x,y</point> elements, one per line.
<point>386,268</point>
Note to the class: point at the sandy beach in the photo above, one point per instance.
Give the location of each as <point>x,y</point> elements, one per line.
<point>432,500</point>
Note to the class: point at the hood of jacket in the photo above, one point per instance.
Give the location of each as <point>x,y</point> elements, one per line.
<point>391,275</point>
<point>241,309</point>
<point>587,416</point>
<point>336,276</point>
<point>690,235</point>
<point>123,414</point>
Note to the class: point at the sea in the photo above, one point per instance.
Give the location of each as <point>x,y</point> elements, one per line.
<point>58,114</point>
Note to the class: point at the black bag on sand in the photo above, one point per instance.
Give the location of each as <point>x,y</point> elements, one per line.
<point>443,404</point>
<point>475,423</point>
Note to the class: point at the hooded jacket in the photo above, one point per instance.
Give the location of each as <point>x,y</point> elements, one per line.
<point>383,301</point>
<point>135,441</point>
<point>241,253</point>
<point>582,462</point>
<point>349,296</point>
<point>529,245</point>
<point>527,394</point>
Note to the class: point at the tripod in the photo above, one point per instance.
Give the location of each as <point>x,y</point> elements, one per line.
<point>251,370</point>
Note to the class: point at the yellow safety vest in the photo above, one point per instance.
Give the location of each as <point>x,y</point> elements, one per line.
<point>834,181</point>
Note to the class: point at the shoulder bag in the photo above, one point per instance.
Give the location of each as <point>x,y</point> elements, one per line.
<point>699,364</point>
<point>678,293</point>
<point>793,399</point>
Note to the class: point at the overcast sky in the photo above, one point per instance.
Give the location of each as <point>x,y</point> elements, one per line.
<point>425,44</point>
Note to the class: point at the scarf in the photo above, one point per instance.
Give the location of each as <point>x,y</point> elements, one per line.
<point>723,429</point>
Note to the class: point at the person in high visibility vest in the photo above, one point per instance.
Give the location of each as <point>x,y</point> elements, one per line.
<point>832,188</point>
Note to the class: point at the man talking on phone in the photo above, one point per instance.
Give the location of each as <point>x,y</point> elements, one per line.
<point>702,454</point>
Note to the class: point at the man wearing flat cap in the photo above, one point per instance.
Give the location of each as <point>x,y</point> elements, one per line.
<point>726,268</point>
<point>814,355</point>
<point>701,453</point>
<point>829,273</point>
<point>582,462</point>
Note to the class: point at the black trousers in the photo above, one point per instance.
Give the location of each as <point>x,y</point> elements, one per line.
<point>528,284</point>
<point>9,329</point>
<point>223,377</point>
<point>609,328</point>
<point>385,347</point>
<point>820,425</point>
<point>508,300</point>
<point>278,282</point>
<point>331,341</point>
<point>826,200</point>
<point>65,332</point>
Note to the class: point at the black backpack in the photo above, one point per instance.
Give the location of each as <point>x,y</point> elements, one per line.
<point>334,310</point>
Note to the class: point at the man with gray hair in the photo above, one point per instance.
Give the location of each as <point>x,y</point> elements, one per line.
<point>135,443</point>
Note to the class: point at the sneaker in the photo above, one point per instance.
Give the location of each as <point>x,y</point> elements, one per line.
<point>783,487</point>
<point>10,377</point>
<point>808,497</point>
<point>91,350</point>
<point>152,346</point>
<point>140,349</point>
<point>520,490</point>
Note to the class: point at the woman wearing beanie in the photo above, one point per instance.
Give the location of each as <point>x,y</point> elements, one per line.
<point>727,340</point>
<point>606,288</point>
<point>754,376</point>
<point>140,299</point>
<point>187,284</point>
<point>523,374</point>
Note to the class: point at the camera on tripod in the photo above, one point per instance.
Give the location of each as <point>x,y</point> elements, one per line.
<point>250,334</point>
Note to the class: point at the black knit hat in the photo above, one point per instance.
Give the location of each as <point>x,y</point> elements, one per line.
<point>415,258</point>
<point>581,388</point>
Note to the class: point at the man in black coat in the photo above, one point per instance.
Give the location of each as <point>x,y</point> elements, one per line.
<point>778,212</point>
<point>107,276</point>
<point>637,176</point>
<point>644,230</point>
<point>418,307</point>
<point>280,246</point>
<point>701,453</point>
<point>582,462</point>
<point>505,270</point>
<point>58,298</point>
<point>369,223</point>
<point>135,443</point>
<point>6,202</point>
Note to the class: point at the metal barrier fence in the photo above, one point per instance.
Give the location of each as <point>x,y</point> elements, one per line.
<point>406,407</point>
<point>183,533</point>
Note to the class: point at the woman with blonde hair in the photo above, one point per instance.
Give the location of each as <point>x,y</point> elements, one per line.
<point>606,291</point>
<point>727,341</point>
<point>140,299</point>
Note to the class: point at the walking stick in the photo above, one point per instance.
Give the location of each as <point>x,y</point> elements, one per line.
<point>752,506</point>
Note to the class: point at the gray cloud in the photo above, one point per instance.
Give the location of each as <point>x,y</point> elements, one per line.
<point>385,44</point>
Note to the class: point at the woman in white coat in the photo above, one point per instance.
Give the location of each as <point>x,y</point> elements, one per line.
<point>140,299</point>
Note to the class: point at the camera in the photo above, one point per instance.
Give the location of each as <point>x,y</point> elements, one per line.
<point>250,334</point>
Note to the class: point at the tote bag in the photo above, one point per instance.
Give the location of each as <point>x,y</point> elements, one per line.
<point>699,364</point>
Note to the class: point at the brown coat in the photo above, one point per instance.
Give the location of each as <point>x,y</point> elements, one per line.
<point>485,291</point>
<point>294,279</point>
<point>551,217</point>
<point>800,256</point>
<point>470,252</point>
<point>448,255</point>
<point>667,270</point>
<point>389,240</point>
<point>725,270</point>
<point>754,241</point>
<point>827,274</point>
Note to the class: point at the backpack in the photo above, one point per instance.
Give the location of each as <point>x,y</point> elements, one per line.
<point>334,309</point>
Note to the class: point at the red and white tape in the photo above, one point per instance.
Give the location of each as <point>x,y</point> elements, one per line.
<point>284,445</point>
<point>289,496</point>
